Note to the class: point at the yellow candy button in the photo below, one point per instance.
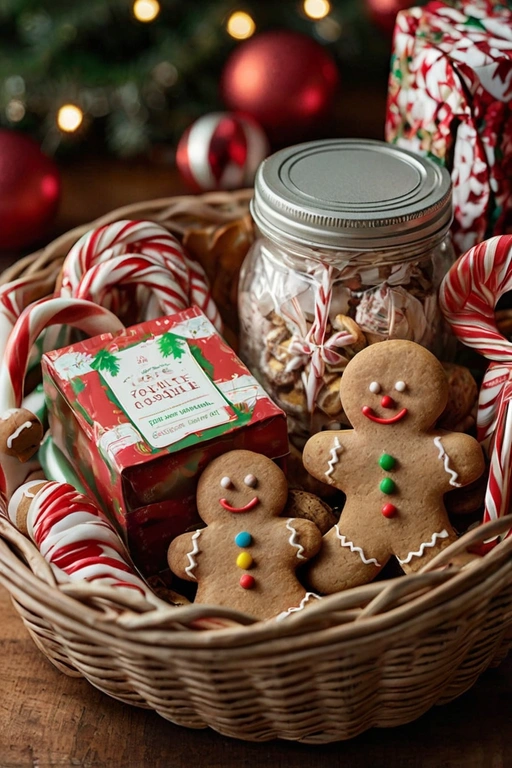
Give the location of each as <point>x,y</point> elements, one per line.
<point>244,560</point>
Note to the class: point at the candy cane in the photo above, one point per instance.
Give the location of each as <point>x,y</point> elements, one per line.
<point>14,297</point>
<point>73,535</point>
<point>124,238</point>
<point>20,430</point>
<point>468,296</point>
<point>137,270</point>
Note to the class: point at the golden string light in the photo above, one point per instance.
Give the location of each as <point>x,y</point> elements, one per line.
<point>69,118</point>
<point>317,9</point>
<point>146,10</point>
<point>240,25</point>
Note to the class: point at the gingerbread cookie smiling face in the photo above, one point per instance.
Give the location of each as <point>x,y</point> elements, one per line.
<point>247,556</point>
<point>393,466</point>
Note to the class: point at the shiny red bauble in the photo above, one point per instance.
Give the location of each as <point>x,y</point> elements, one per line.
<point>383,12</point>
<point>29,191</point>
<point>285,80</point>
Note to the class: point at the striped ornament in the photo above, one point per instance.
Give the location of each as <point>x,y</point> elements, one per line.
<point>221,151</point>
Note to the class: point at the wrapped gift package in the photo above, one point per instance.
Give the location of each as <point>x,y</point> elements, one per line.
<point>139,414</point>
<point>450,92</point>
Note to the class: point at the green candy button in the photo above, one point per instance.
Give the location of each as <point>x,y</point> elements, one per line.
<point>387,462</point>
<point>387,485</point>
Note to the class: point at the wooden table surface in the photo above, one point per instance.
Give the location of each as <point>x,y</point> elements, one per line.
<point>48,719</point>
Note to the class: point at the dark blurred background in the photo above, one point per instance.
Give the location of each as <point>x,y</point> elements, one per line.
<point>107,89</point>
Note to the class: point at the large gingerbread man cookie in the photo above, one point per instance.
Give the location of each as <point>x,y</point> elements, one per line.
<point>247,555</point>
<point>394,467</point>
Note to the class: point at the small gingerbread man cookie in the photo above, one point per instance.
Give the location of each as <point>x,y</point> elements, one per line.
<point>247,555</point>
<point>394,467</point>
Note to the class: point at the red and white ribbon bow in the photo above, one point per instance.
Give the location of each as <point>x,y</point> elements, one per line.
<point>310,345</point>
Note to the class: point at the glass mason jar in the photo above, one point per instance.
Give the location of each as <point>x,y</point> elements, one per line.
<point>353,244</point>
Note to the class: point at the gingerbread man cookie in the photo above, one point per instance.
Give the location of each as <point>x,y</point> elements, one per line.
<point>394,467</point>
<point>247,555</point>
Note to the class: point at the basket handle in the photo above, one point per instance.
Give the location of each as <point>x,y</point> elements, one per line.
<point>478,535</point>
<point>400,588</point>
<point>28,552</point>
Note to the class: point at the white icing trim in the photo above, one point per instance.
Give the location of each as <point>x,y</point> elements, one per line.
<point>8,413</point>
<point>446,460</point>
<point>19,494</point>
<point>291,540</point>
<point>353,548</point>
<point>421,551</point>
<point>307,597</point>
<point>335,450</point>
<point>17,433</point>
<point>194,551</point>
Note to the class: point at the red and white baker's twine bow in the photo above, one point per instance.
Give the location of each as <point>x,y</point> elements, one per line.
<point>310,345</point>
<point>468,296</point>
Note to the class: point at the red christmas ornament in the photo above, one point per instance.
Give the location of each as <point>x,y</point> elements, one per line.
<point>383,12</point>
<point>221,151</point>
<point>29,190</point>
<point>284,80</point>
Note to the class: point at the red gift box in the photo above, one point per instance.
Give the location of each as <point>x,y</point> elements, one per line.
<point>450,92</point>
<point>140,413</point>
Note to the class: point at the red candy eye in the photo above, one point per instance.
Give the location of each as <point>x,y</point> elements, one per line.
<point>387,402</point>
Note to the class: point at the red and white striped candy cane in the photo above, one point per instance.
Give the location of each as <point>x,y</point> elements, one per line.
<point>468,297</point>
<point>147,239</point>
<point>73,536</point>
<point>138,270</point>
<point>88,317</point>
<point>14,297</point>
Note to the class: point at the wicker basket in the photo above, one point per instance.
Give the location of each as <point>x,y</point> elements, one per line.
<point>378,655</point>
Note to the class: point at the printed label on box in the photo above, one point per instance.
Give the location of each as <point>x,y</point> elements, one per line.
<point>164,391</point>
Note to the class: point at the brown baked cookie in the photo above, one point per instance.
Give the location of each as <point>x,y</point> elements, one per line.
<point>393,466</point>
<point>302,480</point>
<point>20,433</point>
<point>307,506</point>
<point>247,555</point>
<point>462,396</point>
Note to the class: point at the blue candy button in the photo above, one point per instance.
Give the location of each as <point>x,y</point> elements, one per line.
<point>243,539</point>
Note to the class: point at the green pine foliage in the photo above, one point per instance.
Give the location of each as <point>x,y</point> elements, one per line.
<point>105,361</point>
<point>171,345</point>
<point>142,84</point>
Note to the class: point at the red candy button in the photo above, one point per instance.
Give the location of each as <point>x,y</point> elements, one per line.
<point>388,510</point>
<point>387,402</point>
<point>247,581</point>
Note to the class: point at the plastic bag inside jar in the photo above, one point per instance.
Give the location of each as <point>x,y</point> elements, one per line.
<point>312,323</point>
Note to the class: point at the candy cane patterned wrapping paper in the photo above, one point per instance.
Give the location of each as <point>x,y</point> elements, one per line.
<point>468,296</point>
<point>450,90</point>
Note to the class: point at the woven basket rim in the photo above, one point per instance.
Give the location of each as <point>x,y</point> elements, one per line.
<point>387,605</point>
<point>199,665</point>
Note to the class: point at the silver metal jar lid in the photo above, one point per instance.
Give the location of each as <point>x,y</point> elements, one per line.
<point>351,193</point>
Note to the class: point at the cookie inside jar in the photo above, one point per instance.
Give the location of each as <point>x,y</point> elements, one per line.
<point>353,244</point>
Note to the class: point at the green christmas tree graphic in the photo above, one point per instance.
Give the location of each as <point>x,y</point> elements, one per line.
<point>105,361</point>
<point>171,345</point>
